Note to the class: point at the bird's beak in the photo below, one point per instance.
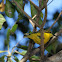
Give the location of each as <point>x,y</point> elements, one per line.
<point>26,34</point>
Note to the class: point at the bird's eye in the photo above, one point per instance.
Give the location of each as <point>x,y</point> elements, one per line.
<point>50,32</point>
<point>39,37</point>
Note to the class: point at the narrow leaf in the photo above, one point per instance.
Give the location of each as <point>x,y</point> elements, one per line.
<point>8,34</point>
<point>41,14</point>
<point>9,9</point>
<point>36,57</point>
<point>2,51</point>
<point>2,58</point>
<point>16,59</point>
<point>23,53</point>
<point>40,21</point>
<point>2,20</point>
<point>33,10</point>
<point>14,28</point>
<point>20,3</point>
<point>22,47</point>
<point>52,48</point>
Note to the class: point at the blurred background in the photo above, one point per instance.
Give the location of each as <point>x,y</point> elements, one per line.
<point>24,26</point>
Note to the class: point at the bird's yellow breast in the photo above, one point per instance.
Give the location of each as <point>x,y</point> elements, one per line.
<point>36,37</point>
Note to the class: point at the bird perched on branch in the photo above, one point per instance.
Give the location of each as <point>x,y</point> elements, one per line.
<point>36,36</point>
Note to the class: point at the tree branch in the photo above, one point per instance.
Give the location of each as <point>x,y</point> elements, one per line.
<point>56,20</point>
<point>51,41</point>
<point>24,59</point>
<point>42,33</point>
<point>54,38</point>
<point>25,13</point>
<point>44,21</point>
<point>55,58</point>
<point>38,49</point>
<point>34,5</point>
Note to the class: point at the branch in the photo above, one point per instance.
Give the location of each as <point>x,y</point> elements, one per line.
<point>33,24</point>
<point>55,58</point>
<point>34,5</point>
<point>56,20</point>
<point>25,13</point>
<point>54,38</point>
<point>44,21</point>
<point>51,41</point>
<point>38,49</point>
<point>24,59</point>
<point>50,2</point>
<point>40,3</point>
<point>42,33</point>
<point>39,11</point>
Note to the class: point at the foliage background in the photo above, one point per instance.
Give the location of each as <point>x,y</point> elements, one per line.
<point>25,26</point>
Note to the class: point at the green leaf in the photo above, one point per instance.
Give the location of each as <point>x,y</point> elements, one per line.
<point>52,48</point>
<point>22,47</point>
<point>34,61</point>
<point>2,51</point>
<point>36,57</point>
<point>2,58</point>
<point>9,60</point>
<point>30,32</point>
<point>41,3</point>
<point>16,59</point>
<point>20,3</point>
<point>2,20</point>
<point>9,9</point>
<point>8,35</point>
<point>59,47</point>
<point>14,28</point>
<point>41,14</point>
<point>23,53</point>
<point>40,21</point>
<point>20,15</point>
<point>33,10</point>
<point>10,32</point>
<point>60,26</point>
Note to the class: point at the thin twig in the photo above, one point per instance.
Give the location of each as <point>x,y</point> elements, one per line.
<point>34,5</point>
<point>51,41</point>
<point>56,20</point>
<point>33,24</point>
<point>44,5</point>
<point>54,37</point>
<point>16,46</point>
<point>44,21</point>
<point>25,13</point>
<point>40,3</point>
<point>42,46</point>
<point>24,59</point>
<point>38,49</point>
<point>50,2</point>
<point>42,33</point>
<point>31,44</point>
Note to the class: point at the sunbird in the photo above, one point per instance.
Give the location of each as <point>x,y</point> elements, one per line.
<point>36,37</point>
